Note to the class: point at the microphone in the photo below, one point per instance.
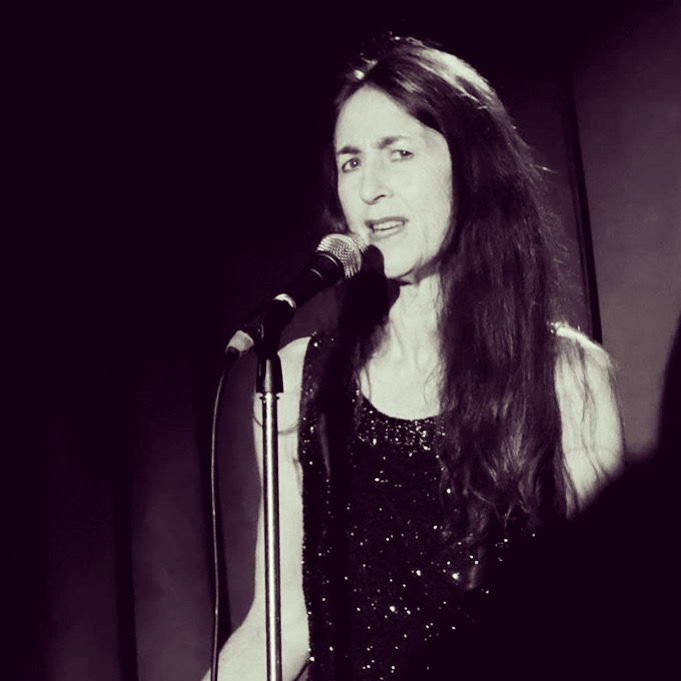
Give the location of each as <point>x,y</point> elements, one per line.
<point>338,256</point>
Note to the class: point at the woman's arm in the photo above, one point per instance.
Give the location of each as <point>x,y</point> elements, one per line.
<point>592,438</point>
<point>244,654</point>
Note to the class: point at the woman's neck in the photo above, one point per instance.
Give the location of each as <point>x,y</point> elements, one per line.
<point>411,335</point>
<point>402,377</point>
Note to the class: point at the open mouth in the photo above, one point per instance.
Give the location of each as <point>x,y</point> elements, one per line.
<point>385,226</point>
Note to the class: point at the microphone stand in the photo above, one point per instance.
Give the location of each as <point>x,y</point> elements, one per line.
<point>337,256</point>
<point>269,384</point>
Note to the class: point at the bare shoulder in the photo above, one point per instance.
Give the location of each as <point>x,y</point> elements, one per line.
<point>292,358</point>
<point>584,371</point>
<point>592,439</point>
<point>573,343</point>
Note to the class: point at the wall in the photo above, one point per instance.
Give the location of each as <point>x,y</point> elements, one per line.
<point>628,92</point>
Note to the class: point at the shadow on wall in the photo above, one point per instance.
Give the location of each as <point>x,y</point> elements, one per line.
<point>594,600</point>
<point>630,561</point>
<point>632,534</point>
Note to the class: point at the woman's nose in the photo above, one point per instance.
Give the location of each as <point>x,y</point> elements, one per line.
<point>374,182</point>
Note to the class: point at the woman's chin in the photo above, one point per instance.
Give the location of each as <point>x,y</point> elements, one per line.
<point>410,275</point>
<point>400,275</point>
<point>393,269</point>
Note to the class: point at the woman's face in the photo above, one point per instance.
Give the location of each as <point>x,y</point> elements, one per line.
<point>394,182</point>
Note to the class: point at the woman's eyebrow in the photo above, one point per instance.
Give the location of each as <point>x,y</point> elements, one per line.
<point>384,143</point>
<point>389,141</point>
<point>348,149</point>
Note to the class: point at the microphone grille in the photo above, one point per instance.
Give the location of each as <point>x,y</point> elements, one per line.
<point>347,249</point>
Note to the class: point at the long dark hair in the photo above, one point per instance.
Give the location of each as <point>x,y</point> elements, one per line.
<point>502,464</point>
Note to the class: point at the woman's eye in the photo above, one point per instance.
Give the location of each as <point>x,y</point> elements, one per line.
<point>350,165</point>
<point>400,155</point>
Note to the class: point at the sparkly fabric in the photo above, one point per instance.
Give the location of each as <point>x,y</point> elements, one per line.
<point>384,591</point>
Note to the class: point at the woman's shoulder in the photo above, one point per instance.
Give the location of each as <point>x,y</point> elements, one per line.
<point>591,423</point>
<point>303,362</point>
<point>305,355</point>
<point>292,357</point>
<point>583,368</point>
<point>575,345</point>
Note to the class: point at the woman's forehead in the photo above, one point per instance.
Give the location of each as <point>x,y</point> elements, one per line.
<point>370,115</point>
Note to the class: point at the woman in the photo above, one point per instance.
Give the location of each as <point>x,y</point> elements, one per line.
<point>451,417</point>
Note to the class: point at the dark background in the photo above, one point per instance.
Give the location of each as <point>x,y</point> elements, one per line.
<point>168,173</point>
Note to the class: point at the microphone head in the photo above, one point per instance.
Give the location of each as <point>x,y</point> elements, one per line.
<point>347,249</point>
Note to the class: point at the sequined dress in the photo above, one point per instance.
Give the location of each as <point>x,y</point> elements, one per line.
<point>383,589</point>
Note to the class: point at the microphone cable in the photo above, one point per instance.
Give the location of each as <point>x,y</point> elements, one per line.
<point>231,356</point>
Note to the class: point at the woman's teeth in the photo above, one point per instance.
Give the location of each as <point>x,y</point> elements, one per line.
<point>385,226</point>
